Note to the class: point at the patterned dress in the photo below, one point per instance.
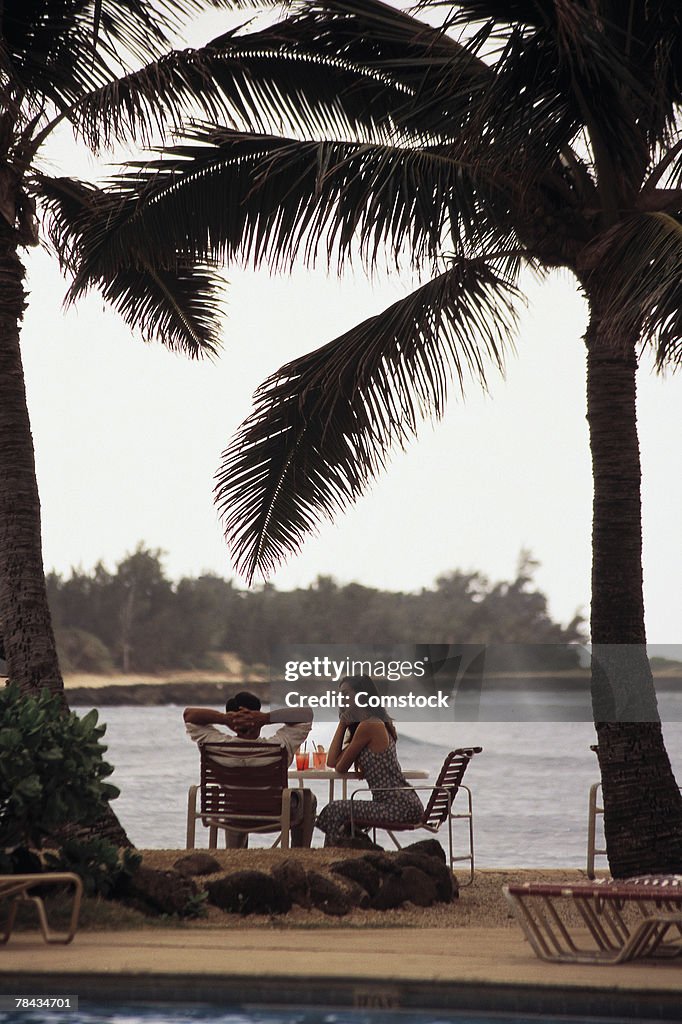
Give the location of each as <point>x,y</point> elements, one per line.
<point>380,770</point>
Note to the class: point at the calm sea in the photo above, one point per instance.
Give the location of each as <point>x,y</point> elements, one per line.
<point>530,785</point>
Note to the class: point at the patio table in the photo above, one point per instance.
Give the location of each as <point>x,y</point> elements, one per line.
<point>331,776</point>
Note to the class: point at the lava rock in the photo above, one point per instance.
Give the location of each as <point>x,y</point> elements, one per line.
<point>161,892</point>
<point>360,871</point>
<point>360,841</point>
<point>357,896</point>
<point>249,892</point>
<point>197,864</point>
<point>428,847</point>
<point>390,894</point>
<point>418,887</point>
<point>327,896</point>
<point>293,878</point>
<point>383,862</point>
<point>409,885</point>
<point>446,884</point>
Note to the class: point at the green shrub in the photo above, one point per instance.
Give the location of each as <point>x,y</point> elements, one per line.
<point>52,769</point>
<point>103,870</point>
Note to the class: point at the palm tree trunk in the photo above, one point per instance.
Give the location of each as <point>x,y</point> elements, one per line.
<point>25,621</point>
<point>24,612</point>
<point>642,803</point>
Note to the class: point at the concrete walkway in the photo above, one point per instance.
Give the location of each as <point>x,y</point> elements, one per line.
<point>459,969</point>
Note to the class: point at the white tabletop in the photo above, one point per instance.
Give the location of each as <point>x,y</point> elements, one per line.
<point>331,776</point>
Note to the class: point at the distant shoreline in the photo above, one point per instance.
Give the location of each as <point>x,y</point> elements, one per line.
<point>189,687</point>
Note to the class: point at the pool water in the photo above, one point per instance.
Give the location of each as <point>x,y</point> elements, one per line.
<point>140,1013</point>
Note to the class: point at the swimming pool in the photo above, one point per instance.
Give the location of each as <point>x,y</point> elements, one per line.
<point>172,1013</point>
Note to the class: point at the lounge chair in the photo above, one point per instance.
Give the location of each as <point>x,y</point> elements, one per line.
<point>243,788</point>
<point>439,807</point>
<point>17,889</point>
<point>612,937</point>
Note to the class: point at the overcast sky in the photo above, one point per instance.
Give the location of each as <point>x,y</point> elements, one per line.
<point>128,438</point>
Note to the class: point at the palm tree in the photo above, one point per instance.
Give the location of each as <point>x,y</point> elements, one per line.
<point>106,68</point>
<point>518,134</point>
<point>71,62</point>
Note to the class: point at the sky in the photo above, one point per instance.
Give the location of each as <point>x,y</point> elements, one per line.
<point>128,438</point>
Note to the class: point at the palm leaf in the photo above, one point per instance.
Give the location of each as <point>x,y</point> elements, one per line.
<point>644,254</point>
<point>177,305</point>
<point>38,31</point>
<point>323,425</point>
<point>261,198</point>
<point>66,50</point>
<point>158,97</point>
<point>364,61</point>
<point>360,67</point>
<point>174,299</point>
<point>288,77</point>
<point>48,58</point>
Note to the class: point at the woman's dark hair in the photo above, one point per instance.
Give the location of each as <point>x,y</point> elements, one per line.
<point>365,684</point>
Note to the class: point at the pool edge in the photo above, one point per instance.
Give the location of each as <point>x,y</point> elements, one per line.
<point>371,994</point>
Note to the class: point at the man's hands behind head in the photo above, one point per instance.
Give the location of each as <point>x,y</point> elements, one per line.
<point>245,720</point>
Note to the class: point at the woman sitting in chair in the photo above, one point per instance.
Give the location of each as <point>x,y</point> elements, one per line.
<point>370,738</point>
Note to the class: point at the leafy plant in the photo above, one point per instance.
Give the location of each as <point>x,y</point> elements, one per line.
<point>52,769</point>
<point>104,871</point>
<point>195,906</point>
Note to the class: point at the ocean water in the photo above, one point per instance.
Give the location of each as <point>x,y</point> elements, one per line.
<point>530,784</point>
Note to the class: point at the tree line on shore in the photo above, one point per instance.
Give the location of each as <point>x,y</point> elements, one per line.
<point>135,619</point>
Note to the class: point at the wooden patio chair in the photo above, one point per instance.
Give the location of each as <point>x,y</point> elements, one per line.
<point>611,936</point>
<point>21,889</point>
<point>243,788</point>
<point>439,807</point>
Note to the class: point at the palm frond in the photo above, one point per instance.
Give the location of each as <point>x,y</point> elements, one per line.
<point>141,29</point>
<point>342,66</point>
<point>171,297</point>
<point>675,172</point>
<point>362,66</point>
<point>179,305</point>
<point>144,28</point>
<point>642,259</point>
<point>246,5</point>
<point>324,424</point>
<point>265,199</point>
<point>63,50</point>
<point>288,78</point>
<point>562,67</point>
<point>158,98</point>
<point>49,58</point>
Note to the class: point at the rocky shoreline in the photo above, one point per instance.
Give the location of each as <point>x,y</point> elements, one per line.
<point>150,695</point>
<point>181,688</point>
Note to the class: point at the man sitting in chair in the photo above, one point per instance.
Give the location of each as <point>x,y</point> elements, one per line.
<point>244,717</point>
